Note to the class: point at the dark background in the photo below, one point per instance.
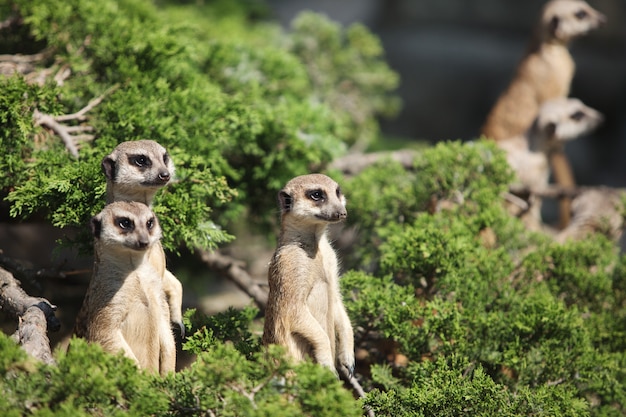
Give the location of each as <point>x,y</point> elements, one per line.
<point>455,57</point>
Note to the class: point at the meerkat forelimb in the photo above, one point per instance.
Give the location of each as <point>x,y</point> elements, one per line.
<point>305,311</point>
<point>125,308</point>
<point>558,121</point>
<point>135,171</point>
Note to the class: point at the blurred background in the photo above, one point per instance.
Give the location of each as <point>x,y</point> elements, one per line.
<point>455,57</point>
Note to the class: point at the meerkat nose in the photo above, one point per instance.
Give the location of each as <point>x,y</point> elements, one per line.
<point>164,176</point>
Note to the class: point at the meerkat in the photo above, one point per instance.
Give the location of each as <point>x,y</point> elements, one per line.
<point>545,72</point>
<point>305,311</point>
<point>135,171</point>
<point>595,211</point>
<point>558,120</point>
<point>125,310</point>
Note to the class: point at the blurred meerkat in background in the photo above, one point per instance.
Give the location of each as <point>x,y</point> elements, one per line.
<point>545,72</point>
<point>558,120</point>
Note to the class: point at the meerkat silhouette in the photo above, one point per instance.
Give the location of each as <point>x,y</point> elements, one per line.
<point>135,171</point>
<point>545,72</point>
<point>126,310</point>
<point>305,311</point>
<point>558,120</point>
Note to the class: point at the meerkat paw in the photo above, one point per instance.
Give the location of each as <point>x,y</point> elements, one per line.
<point>345,360</point>
<point>180,326</point>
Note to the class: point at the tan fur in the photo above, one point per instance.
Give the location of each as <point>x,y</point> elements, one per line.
<point>125,308</point>
<point>305,311</point>
<point>135,171</point>
<point>558,121</point>
<point>545,72</point>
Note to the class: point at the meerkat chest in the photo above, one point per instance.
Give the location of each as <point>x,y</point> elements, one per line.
<point>531,167</point>
<point>555,70</point>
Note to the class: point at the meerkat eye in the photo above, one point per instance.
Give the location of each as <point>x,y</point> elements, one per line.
<point>578,115</point>
<point>150,224</point>
<point>166,158</point>
<point>581,14</point>
<point>124,223</point>
<point>141,161</point>
<point>316,195</point>
<point>338,192</point>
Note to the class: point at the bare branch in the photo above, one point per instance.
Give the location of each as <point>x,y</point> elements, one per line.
<point>354,163</point>
<point>234,270</point>
<point>356,387</point>
<point>64,132</point>
<point>35,317</point>
<point>80,115</point>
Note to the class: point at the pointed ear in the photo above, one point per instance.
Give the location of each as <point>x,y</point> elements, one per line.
<point>553,25</point>
<point>284,201</point>
<point>108,167</point>
<point>96,226</point>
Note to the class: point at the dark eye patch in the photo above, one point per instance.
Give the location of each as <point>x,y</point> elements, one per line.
<point>578,115</point>
<point>125,224</point>
<point>141,161</point>
<point>581,14</point>
<point>166,158</point>
<point>150,223</point>
<point>316,195</point>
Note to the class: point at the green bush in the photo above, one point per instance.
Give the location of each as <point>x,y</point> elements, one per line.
<point>460,310</point>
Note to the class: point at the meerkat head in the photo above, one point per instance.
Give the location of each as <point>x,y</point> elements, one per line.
<point>135,171</point>
<point>563,119</point>
<point>126,225</point>
<point>313,198</point>
<point>564,20</point>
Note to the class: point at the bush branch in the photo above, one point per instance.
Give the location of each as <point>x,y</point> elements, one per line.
<point>234,270</point>
<point>55,123</point>
<point>35,317</point>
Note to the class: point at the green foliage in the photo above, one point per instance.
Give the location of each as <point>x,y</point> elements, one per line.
<point>489,318</point>
<point>492,319</point>
<point>239,116</point>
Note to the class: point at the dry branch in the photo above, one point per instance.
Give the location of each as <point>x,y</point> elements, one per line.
<point>35,317</point>
<point>234,270</point>
<point>55,123</point>
<point>352,164</point>
<point>356,387</point>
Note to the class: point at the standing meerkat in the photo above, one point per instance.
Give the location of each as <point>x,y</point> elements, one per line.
<point>305,311</point>
<point>558,120</point>
<point>125,308</point>
<point>545,72</point>
<point>135,171</point>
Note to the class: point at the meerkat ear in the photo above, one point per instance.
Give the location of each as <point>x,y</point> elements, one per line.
<point>284,201</point>
<point>554,24</point>
<point>96,226</point>
<point>108,167</point>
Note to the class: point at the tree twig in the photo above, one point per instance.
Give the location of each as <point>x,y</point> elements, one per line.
<point>54,123</point>
<point>35,317</point>
<point>356,387</point>
<point>234,270</point>
<point>352,164</point>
